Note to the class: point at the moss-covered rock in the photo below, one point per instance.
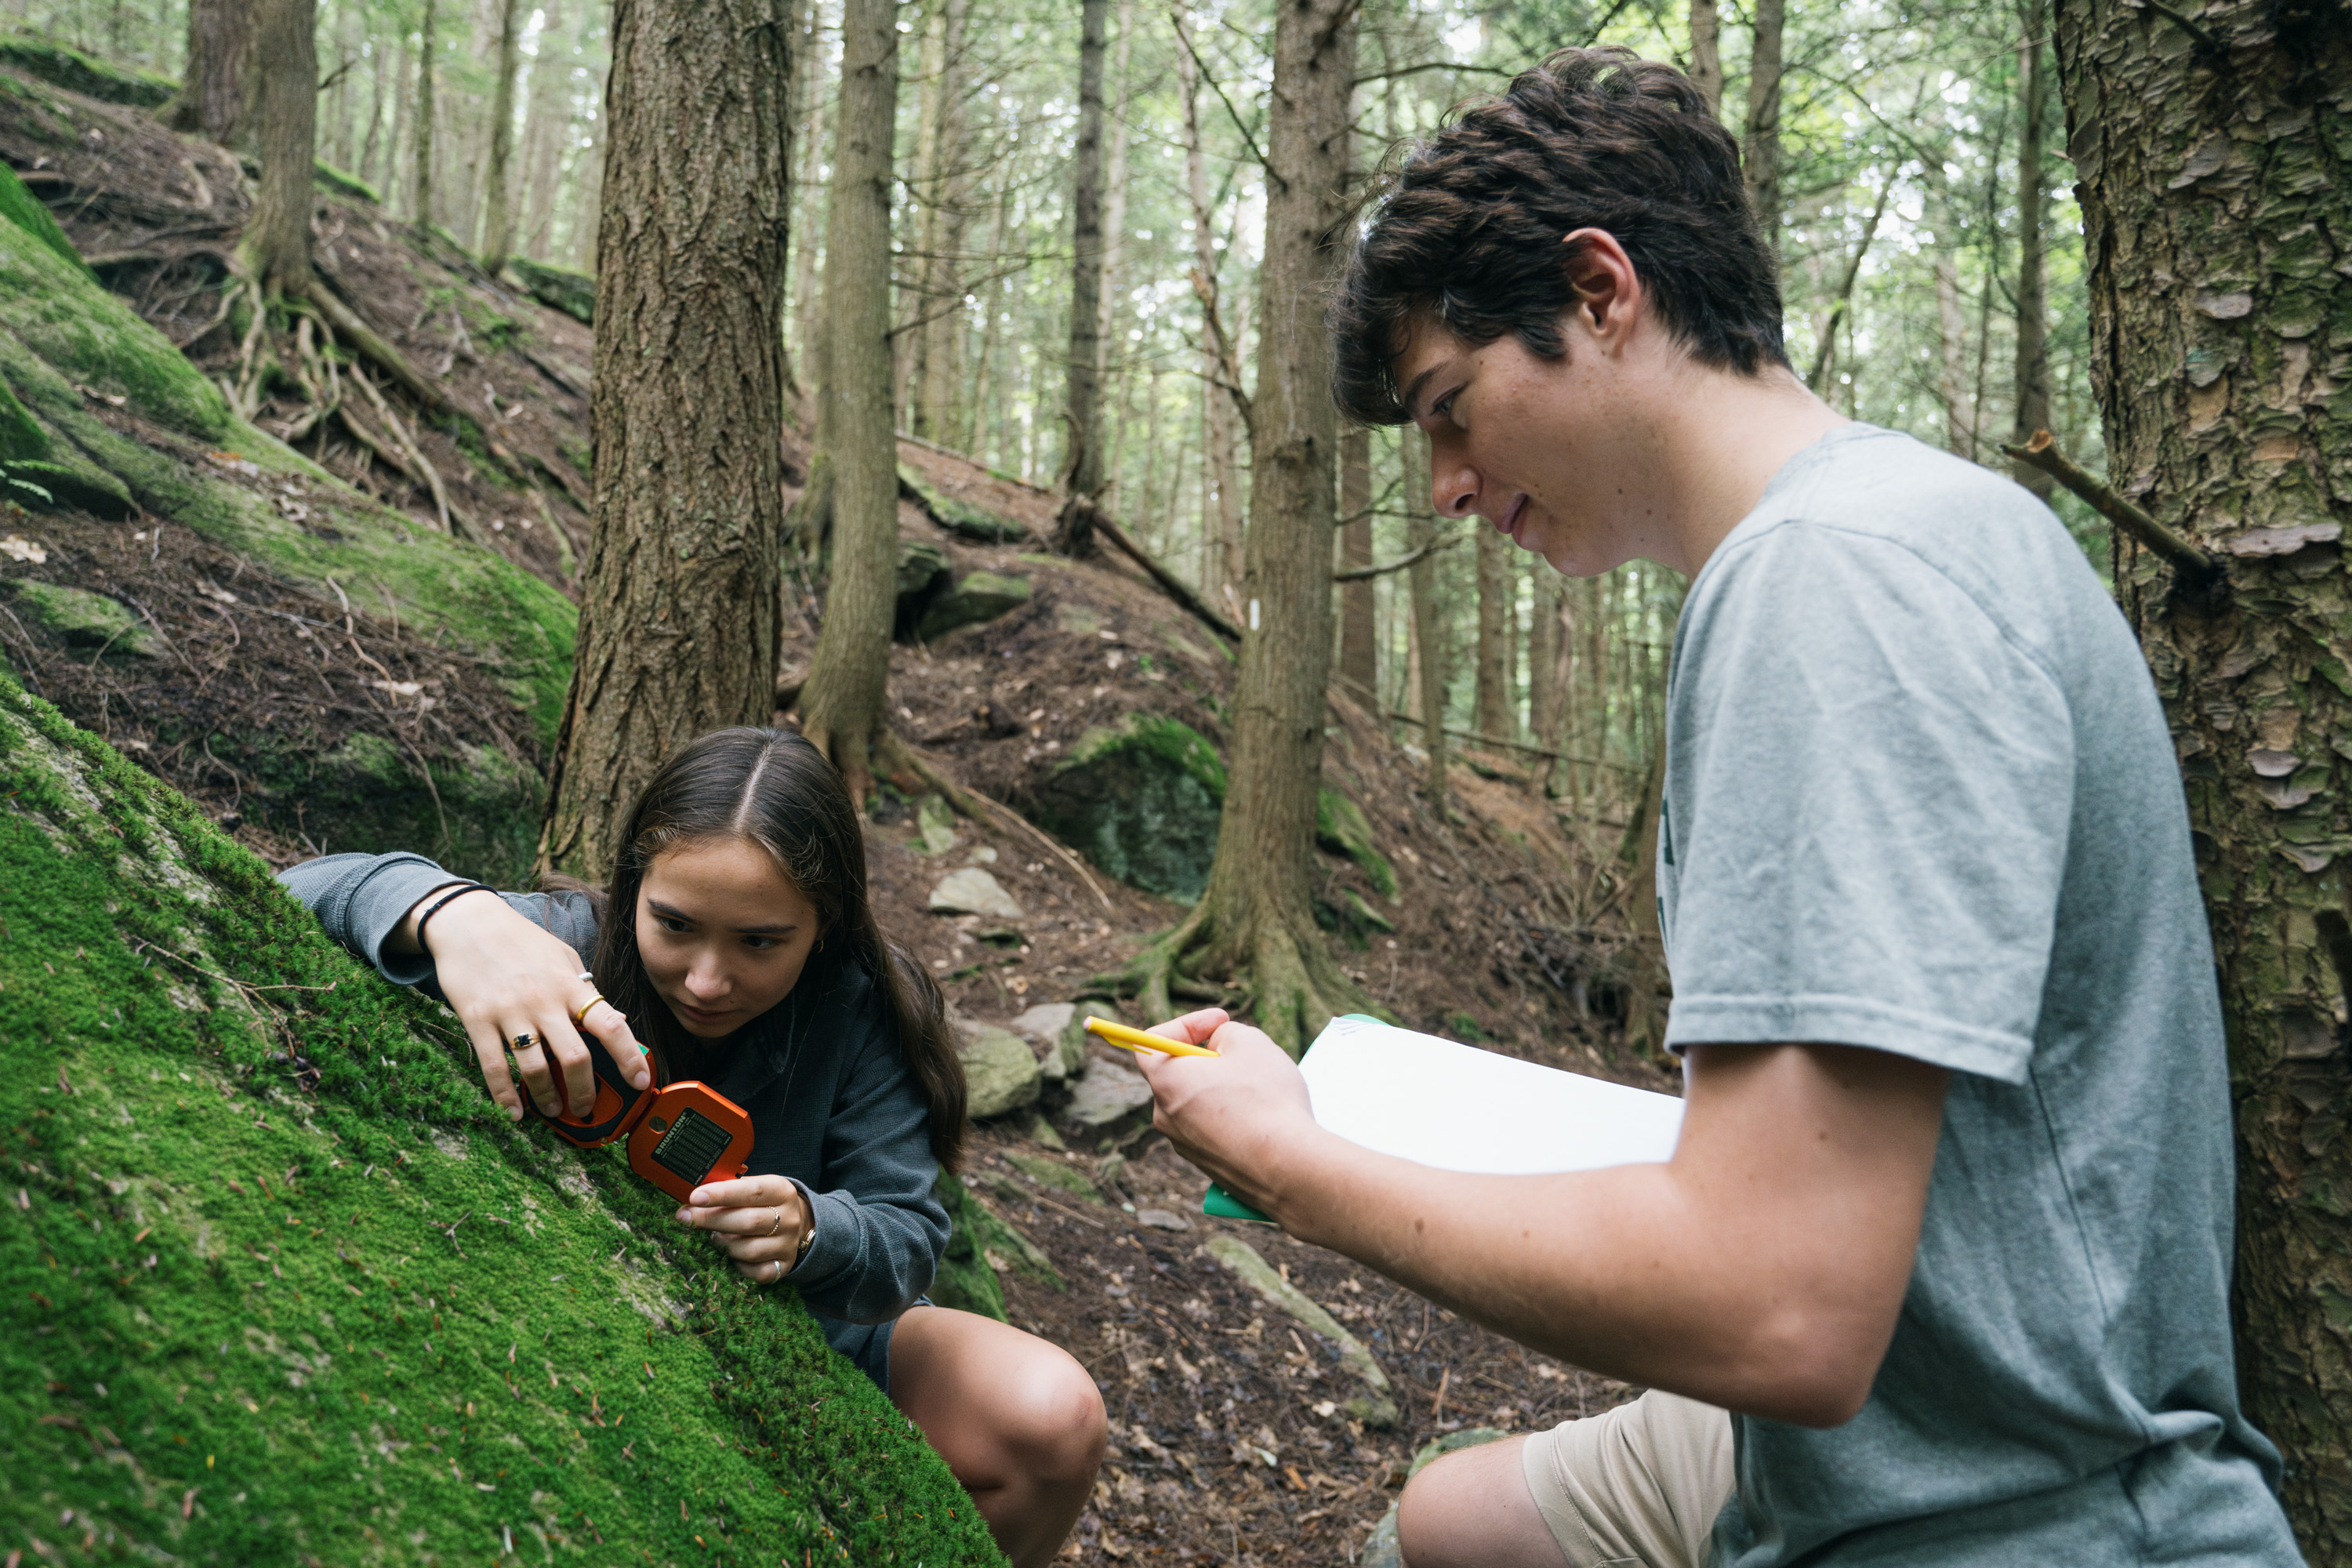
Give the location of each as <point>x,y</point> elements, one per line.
<point>976,597</point>
<point>86,74</point>
<point>342,182</point>
<point>71,483</point>
<point>83,619</point>
<point>64,339</point>
<point>23,209</point>
<point>1341,828</point>
<point>477,812</point>
<point>1001,1073</point>
<point>1142,800</point>
<point>558,288</point>
<point>284,1285</point>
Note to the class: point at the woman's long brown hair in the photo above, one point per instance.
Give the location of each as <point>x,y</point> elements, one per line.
<point>774,789</point>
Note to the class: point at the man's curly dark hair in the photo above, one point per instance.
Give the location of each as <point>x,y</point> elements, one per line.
<point>1465,231</point>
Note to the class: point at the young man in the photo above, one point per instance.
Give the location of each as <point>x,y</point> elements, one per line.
<point>1948,1232</point>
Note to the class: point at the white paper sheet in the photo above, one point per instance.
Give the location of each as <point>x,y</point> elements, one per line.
<point>1461,1109</point>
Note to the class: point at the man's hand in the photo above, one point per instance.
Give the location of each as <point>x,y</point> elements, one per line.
<point>1229,1115</point>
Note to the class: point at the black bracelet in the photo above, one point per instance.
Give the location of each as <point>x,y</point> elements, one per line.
<point>445,898</point>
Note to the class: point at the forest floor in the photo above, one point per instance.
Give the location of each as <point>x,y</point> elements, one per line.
<point>1505,925</point>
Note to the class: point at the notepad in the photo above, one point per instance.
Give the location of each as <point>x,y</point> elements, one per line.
<point>1439,1102</point>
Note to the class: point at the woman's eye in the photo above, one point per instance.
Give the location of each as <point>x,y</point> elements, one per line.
<point>759,944</point>
<point>672,925</point>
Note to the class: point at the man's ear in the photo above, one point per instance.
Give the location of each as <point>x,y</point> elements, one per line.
<point>1608,290</point>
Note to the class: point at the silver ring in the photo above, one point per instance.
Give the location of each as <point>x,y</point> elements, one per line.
<point>587,975</point>
<point>779,1267</point>
<point>524,1041</point>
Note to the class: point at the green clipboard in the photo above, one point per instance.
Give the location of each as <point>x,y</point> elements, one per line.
<point>1221,1204</point>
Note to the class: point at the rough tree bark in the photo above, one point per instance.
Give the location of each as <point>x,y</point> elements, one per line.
<point>942,387</point>
<point>1493,671</point>
<point>1360,656</point>
<point>2033,386</point>
<point>678,604</point>
<point>498,216</point>
<point>1706,54</point>
<point>427,58</point>
<point>1082,465</point>
<point>2211,157</point>
<point>217,93</point>
<point>1761,156</point>
<point>275,253</point>
<point>841,707</point>
<point>1256,914</point>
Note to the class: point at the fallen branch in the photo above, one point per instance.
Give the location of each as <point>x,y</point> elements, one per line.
<point>1363,573</point>
<point>1483,739</point>
<point>1378,1408</point>
<point>2043,453</point>
<point>1170,584</point>
<point>972,804</point>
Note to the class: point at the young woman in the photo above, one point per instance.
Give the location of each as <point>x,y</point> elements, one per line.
<point>737,942</point>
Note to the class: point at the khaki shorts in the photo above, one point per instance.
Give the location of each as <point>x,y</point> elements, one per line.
<point>1636,1486</point>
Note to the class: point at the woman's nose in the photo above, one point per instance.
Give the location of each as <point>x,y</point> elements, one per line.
<point>705,978</point>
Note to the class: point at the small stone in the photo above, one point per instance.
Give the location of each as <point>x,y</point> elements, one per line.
<point>1163,1219</point>
<point>935,825</point>
<point>981,854</point>
<point>999,1072</point>
<point>972,891</point>
<point>1045,1020</point>
<point>1105,1092</point>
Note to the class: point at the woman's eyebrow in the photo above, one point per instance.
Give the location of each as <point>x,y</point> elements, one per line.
<point>785,929</point>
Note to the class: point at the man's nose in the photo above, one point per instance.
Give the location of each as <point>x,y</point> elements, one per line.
<point>1454,493</point>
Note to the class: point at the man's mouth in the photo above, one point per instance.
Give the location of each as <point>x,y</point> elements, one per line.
<point>1508,523</point>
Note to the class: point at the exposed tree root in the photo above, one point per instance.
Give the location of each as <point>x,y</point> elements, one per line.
<point>322,298</point>
<point>1294,986</point>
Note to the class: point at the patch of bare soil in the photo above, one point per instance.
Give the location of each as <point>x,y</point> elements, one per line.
<point>230,672</point>
<point>1229,1443</point>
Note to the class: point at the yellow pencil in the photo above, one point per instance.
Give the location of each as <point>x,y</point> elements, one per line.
<point>1136,1040</point>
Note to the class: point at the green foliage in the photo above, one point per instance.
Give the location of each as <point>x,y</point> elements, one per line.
<point>1462,1026</point>
<point>86,74</point>
<point>286,1286</point>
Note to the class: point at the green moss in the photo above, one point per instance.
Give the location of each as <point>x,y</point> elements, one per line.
<point>75,483</point>
<point>284,1287</point>
<point>1462,1026</point>
<point>58,329</point>
<point>1341,828</point>
<point>958,517</point>
<point>558,288</point>
<point>327,177</point>
<point>22,439</point>
<point>81,618</point>
<point>85,74</point>
<point>23,209</point>
<point>965,1281</point>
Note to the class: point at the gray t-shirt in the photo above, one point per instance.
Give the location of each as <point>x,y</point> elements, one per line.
<point>1920,797</point>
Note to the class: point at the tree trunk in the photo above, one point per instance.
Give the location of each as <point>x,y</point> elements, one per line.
<point>1256,913</point>
<point>1551,650</point>
<point>1360,656</point>
<point>2206,185</point>
<point>550,119</point>
<point>1494,668</point>
<point>1761,154</point>
<point>1082,468</point>
<point>1428,618</point>
<point>276,250</point>
<point>1115,210</point>
<point>1706,54</point>
<point>2032,304</point>
<point>1222,533</point>
<point>428,52</point>
<point>937,400</point>
<point>842,707</point>
<point>214,94</point>
<point>498,217</point>
<point>678,604</point>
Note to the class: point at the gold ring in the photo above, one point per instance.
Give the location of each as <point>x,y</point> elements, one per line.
<point>779,1224</point>
<point>580,1014</point>
<point>524,1041</point>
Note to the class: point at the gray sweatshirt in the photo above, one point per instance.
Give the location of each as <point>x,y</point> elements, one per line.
<point>834,1106</point>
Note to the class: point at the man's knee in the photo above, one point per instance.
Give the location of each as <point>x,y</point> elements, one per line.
<point>1471,1508</point>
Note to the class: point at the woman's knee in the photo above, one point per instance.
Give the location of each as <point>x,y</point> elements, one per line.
<point>1056,1421</point>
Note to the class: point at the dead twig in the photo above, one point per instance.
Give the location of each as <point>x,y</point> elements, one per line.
<point>2041,452</point>
<point>1365,574</point>
<point>1170,584</point>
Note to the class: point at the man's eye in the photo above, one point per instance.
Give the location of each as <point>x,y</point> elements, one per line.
<point>1444,407</point>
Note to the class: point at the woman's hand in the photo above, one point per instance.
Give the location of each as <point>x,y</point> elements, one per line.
<point>759,1220</point>
<point>506,978</point>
